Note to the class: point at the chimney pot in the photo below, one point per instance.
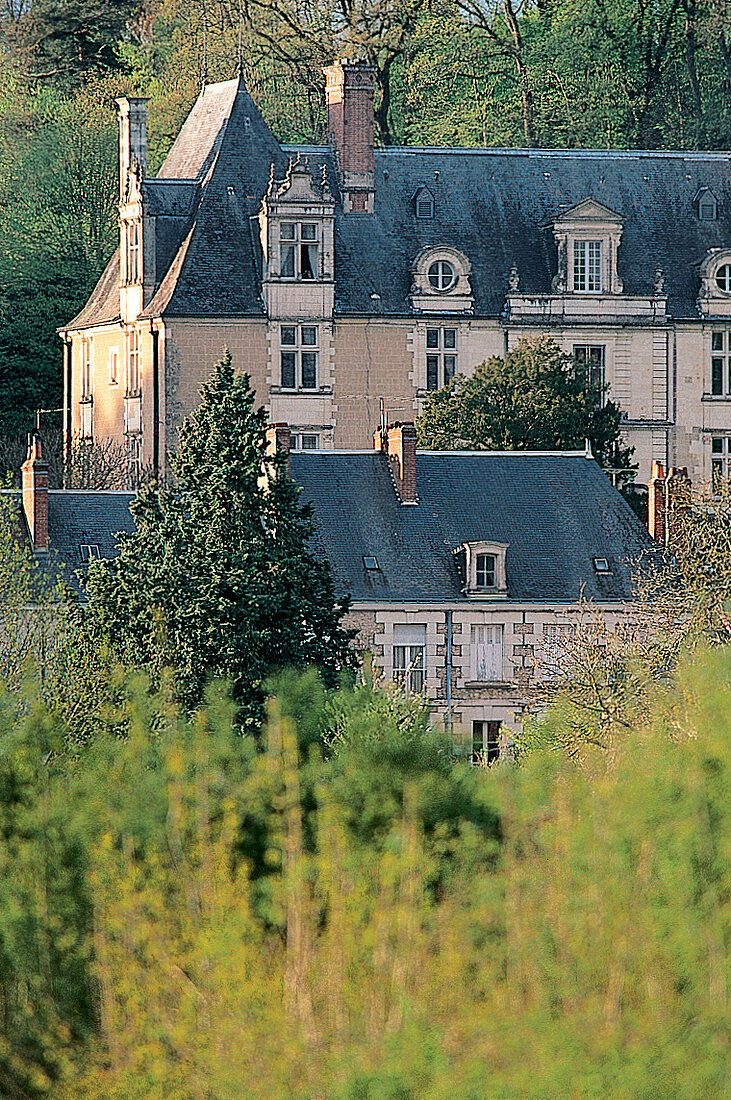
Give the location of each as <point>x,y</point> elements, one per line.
<point>35,495</point>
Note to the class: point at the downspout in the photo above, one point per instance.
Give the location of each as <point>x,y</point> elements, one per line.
<point>156,403</point>
<point>449,672</point>
<point>68,424</point>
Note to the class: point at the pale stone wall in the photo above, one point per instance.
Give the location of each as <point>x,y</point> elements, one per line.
<point>525,653</point>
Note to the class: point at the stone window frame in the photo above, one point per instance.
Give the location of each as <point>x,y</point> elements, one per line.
<point>298,243</point>
<point>459,289</point>
<point>297,349</point>
<point>715,260</point>
<point>588,222</point>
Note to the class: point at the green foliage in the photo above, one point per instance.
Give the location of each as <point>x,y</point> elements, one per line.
<point>217,579</point>
<point>424,930</point>
<point>536,398</point>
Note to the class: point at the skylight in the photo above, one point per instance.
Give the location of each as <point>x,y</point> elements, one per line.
<point>370,563</point>
<point>601,565</point>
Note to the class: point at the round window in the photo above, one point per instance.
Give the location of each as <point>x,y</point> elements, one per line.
<point>723,278</point>
<point>442,275</point>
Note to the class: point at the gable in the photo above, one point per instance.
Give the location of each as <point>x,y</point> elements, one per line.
<point>589,210</point>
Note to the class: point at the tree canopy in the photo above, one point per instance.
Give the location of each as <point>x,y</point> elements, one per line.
<point>217,579</point>
<point>536,398</point>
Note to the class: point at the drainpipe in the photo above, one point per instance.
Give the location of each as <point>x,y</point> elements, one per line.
<point>449,672</point>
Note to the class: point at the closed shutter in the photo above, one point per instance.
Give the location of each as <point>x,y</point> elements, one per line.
<point>487,653</point>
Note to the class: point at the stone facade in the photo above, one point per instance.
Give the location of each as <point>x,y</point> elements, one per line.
<point>348,284</point>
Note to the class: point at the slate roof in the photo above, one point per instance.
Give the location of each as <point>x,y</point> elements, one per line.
<point>556,512</point>
<point>81,517</point>
<point>495,205</point>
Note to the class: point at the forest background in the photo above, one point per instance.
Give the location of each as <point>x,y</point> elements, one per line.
<point>600,73</point>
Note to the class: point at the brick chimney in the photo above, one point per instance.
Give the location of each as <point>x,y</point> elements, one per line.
<point>667,502</point>
<point>349,97</point>
<point>279,441</point>
<point>35,495</point>
<point>132,138</point>
<point>398,443</point>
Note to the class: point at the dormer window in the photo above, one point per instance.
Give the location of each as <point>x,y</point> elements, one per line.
<point>442,276</point>
<point>424,202</point>
<point>482,566</point>
<point>706,205</point>
<point>485,570</point>
<point>723,278</point>
<point>298,250</point>
<point>588,266</point>
<point>132,256</point>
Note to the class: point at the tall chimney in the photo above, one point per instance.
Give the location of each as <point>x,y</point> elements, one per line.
<point>398,443</point>
<point>279,441</point>
<point>35,495</point>
<point>656,503</point>
<point>668,502</point>
<point>349,96</point>
<point>132,138</point>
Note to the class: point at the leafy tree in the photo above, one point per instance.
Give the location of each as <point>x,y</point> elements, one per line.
<point>536,398</point>
<point>217,579</point>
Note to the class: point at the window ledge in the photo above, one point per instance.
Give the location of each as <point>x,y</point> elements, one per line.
<point>322,391</point>
<point>715,398</point>
<point>488,683</point>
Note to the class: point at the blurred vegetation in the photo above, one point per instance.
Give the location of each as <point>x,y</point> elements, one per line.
<point>351,910</point>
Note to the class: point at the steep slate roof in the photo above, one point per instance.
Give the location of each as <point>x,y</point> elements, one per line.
<point>82,517</point>
<point>495,205</point>
<point>556,512</point>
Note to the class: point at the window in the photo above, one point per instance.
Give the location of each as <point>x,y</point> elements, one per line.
<point>721,363</point>
<point>113,367</point>
<point>370,563</point>
<point>720,458</point>
<point>424,203</point>
<point>555,649</point>
<point>133,267</point>
<point>134,460</point>
<point>298,250</point>
<point>89,551</point>
<point>441,356</point>
<point>707,205</point>
<point>601,565</point>
<point>487,653</point>
<point>723,278</point>
<point>133,362</point>
<point>304,441</point>
<point>442,276</point>
<point>485,742</point>
<point>591,358</point>
<point>87,365</point>
<point>298,352</point>
<point>486,570</point>
<point>588,266</point>
<point>409,643</point>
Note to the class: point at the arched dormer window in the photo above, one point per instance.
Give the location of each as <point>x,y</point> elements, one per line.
<point>424,204</point>
<point>706,205</point>
<point>441,281</point>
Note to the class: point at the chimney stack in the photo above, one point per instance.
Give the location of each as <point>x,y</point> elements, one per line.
<point>35,495</point>
<point>668,502</point>
<point>349,96</point>
<point>398,443</point>
<point>279,441</point>
<point>132,139</point>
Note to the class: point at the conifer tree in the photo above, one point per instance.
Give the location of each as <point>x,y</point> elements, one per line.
<point>217,579</point>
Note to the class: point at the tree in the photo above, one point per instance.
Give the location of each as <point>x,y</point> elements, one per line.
<point>217,580</point>
<point>536,398</point>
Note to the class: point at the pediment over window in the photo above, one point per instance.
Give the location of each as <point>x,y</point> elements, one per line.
<point>589,210</point>
<point>441,280</point>
<point>587,237</point>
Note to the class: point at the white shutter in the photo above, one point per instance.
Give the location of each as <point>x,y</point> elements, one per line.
<point>487,653</point>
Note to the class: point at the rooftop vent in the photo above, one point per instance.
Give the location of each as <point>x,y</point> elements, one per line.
<point>424,201</point>
<point>706,205</point>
